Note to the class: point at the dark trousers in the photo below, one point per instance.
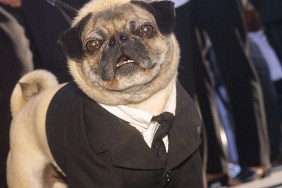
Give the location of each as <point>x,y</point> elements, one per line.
<point>191,72</point>
<point>195,77</point>
<point>270,99</point>
<point>273,31</point>
<point>221,21</point>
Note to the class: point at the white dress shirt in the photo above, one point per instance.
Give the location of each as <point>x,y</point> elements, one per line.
<point>141,120</point>
<point>179,3</point>
<point>267,51</point>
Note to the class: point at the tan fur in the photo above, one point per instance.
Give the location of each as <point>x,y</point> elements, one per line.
<point>166,66</point>
<point>30,163</point>
<point>27,87</point>
<point>29,152</point>
<point>96,6</point>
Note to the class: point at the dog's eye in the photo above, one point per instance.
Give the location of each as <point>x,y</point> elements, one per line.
<point>92,45</point>
<point>147,31</point>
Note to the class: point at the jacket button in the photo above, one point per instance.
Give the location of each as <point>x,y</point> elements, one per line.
<point>166,178</point>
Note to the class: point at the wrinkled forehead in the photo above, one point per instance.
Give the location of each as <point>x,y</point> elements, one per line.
<point>94,6</point>
<point>118,18</point>
<point>123,12</point>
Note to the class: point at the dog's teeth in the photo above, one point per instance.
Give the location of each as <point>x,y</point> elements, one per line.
<point>121,63</point>
<point>124,62</point>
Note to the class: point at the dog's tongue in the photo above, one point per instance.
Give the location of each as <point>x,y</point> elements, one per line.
<point>123,58</point>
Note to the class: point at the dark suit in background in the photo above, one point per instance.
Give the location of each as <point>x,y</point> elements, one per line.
<point>271,15</point>
<point>223,23</point>
<point>195,78</point>
<point>221,20</point>
<point>43,24</point>
<point>270,101</point>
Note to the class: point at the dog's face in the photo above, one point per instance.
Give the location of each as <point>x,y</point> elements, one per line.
<point>123,49</point>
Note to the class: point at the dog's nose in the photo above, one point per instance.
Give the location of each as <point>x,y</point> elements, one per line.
<point>123,37</point>
<point>117,39</point>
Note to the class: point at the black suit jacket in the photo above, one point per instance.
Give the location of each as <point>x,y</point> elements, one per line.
<point>97,149</point>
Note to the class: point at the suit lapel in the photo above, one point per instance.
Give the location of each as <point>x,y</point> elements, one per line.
<point>183,137</point>
<point>106,132</point>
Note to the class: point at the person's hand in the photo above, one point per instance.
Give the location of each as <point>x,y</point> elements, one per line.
<point>12,3</point>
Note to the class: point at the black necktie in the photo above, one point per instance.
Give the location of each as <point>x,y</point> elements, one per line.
<point>165,120</point>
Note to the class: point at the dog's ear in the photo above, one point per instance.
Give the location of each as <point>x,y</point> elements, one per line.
<point>71,42</point>
<point>163,12</point>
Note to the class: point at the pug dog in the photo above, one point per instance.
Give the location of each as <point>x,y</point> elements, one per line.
<point>123,57</point>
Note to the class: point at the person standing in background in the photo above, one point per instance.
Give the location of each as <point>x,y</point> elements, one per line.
<point>269,71</point>
<point>222,23</point>
<point>271,15</point>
